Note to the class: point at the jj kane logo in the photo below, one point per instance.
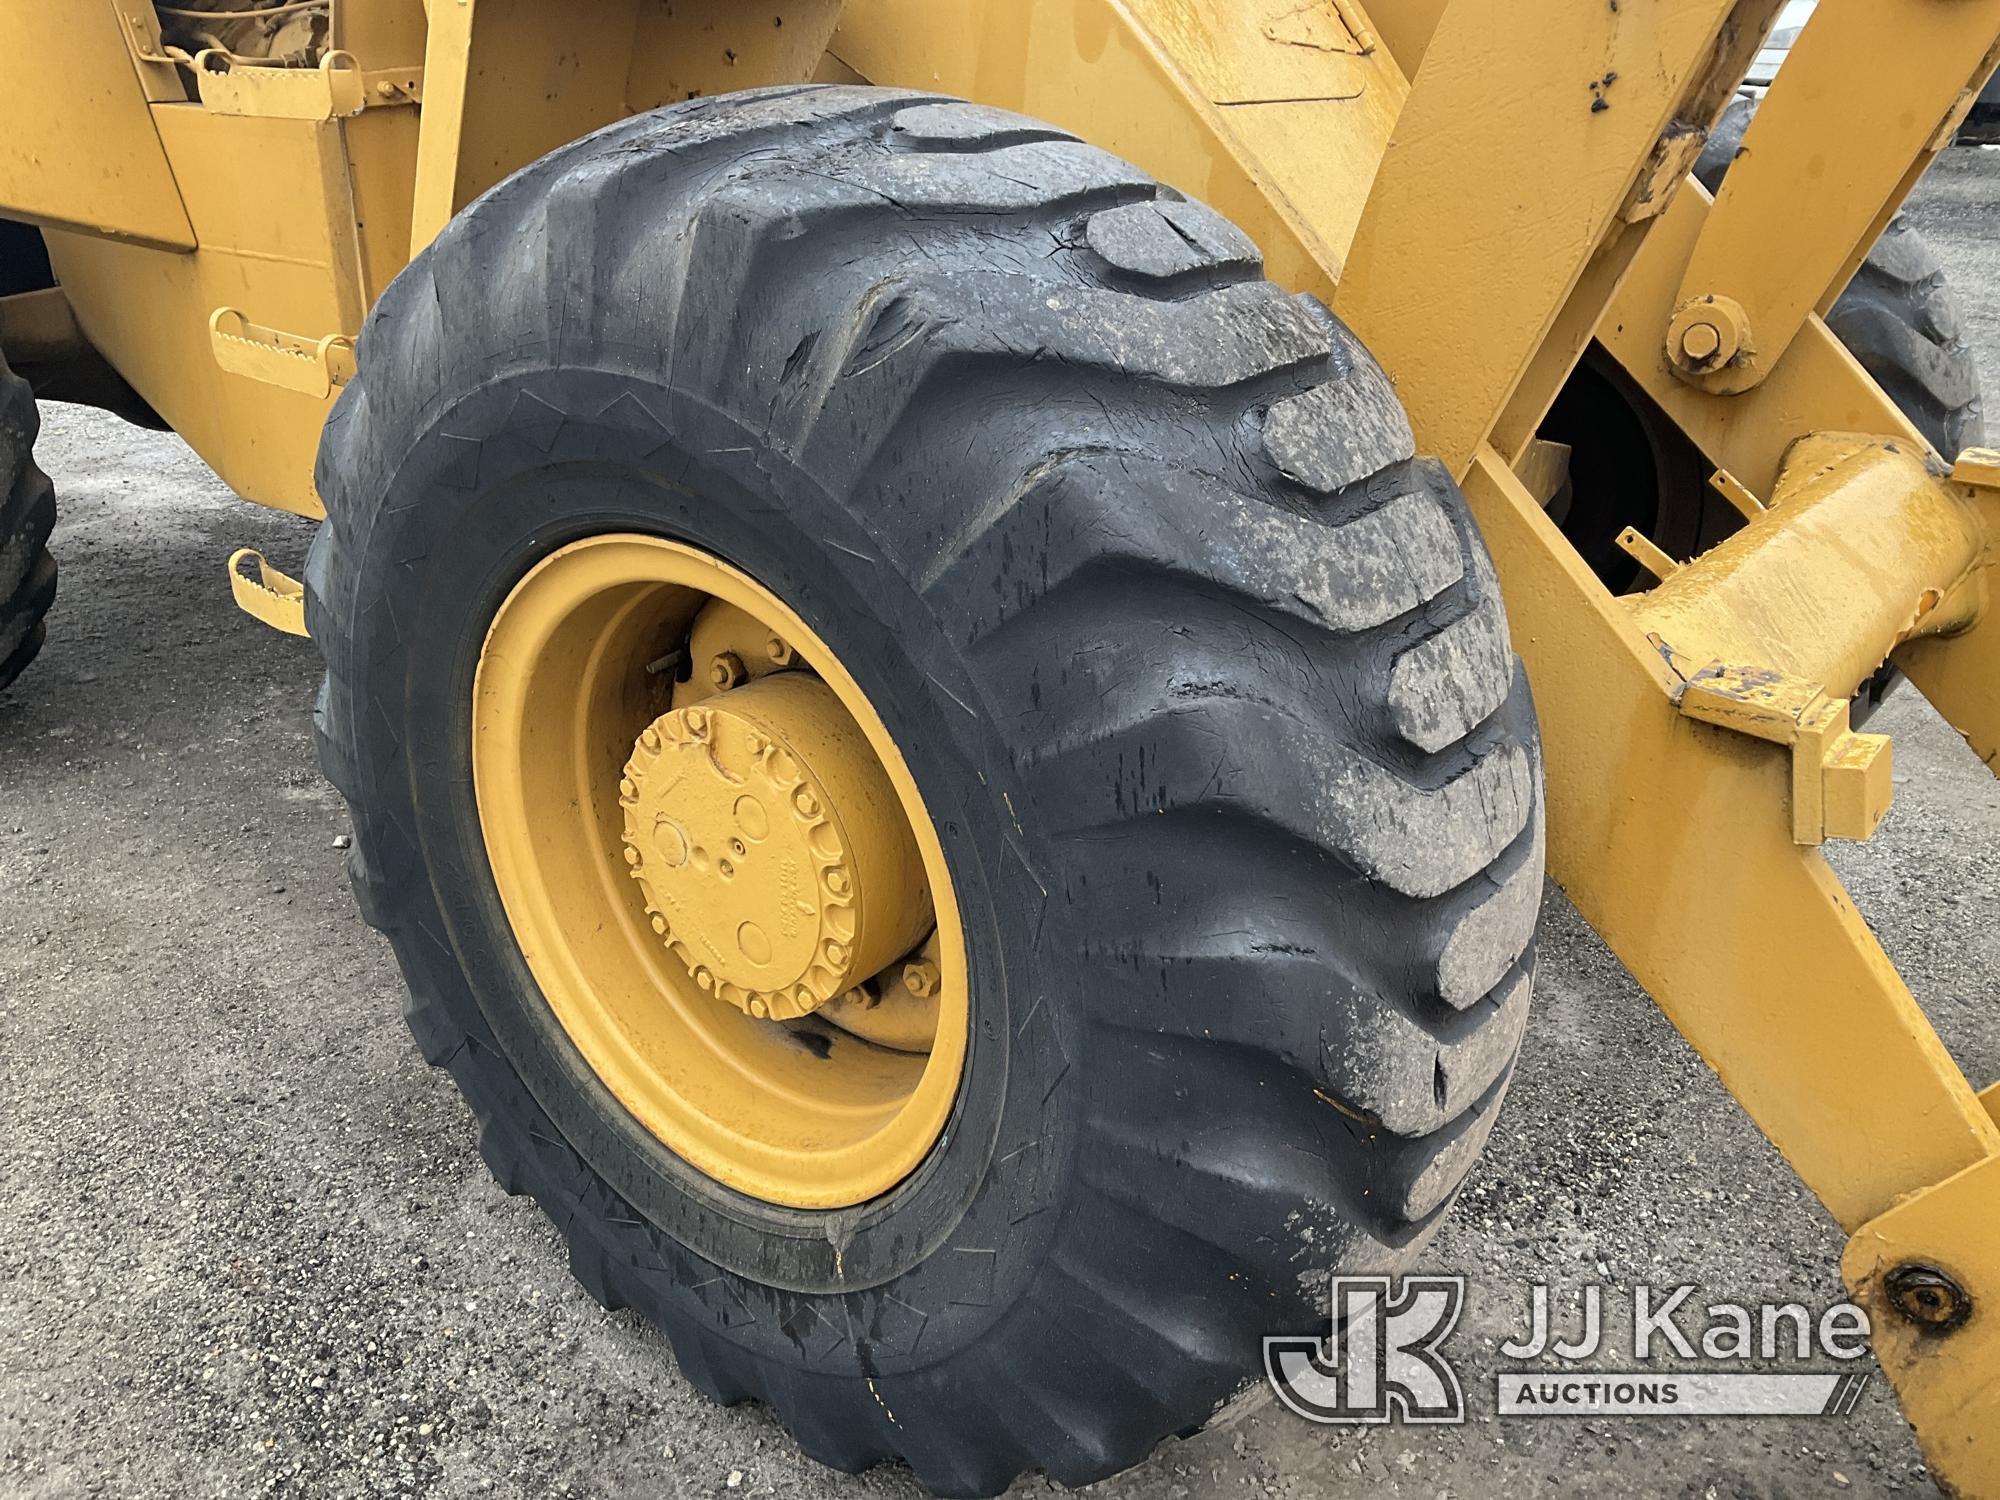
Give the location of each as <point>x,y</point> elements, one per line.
<point>1381,1359</point>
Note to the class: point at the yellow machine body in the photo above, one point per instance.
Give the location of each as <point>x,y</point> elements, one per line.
<point>1481,190</point>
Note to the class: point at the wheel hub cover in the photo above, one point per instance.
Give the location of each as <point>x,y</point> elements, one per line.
<point>770,847</point>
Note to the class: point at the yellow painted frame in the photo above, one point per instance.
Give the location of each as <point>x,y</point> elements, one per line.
<point>112,179</point>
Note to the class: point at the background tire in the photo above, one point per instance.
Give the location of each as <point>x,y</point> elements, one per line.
<point>1202,675</point>
<point>27,517</point>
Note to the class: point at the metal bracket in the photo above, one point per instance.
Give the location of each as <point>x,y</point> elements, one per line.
<point>159,70</point>
<point>1647,553</point>
<point>1842,782</point>
<point>273,597</point>
<point>313,367</point>
<point>1929,1276</point>
<point>1737,493</point>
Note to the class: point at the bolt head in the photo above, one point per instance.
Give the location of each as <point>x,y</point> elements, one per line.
<point>725,670</point>
<point>1701,342</point>
<point>1707,334</point>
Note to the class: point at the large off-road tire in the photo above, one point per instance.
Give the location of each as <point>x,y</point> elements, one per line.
<point>1898,316</point>
<point>27,517</point>
<point>1201,673</point>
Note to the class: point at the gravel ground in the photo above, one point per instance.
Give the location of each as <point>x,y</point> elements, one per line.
<point>251,1247</point>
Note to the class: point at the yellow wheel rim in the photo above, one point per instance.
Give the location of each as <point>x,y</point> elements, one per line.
<point>666,938</point>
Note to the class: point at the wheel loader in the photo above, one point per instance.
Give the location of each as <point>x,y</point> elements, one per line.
<point>957,634</point>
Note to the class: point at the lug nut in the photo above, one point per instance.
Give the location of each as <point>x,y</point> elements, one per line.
<point>920,978</point>
<point>779,651</point>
